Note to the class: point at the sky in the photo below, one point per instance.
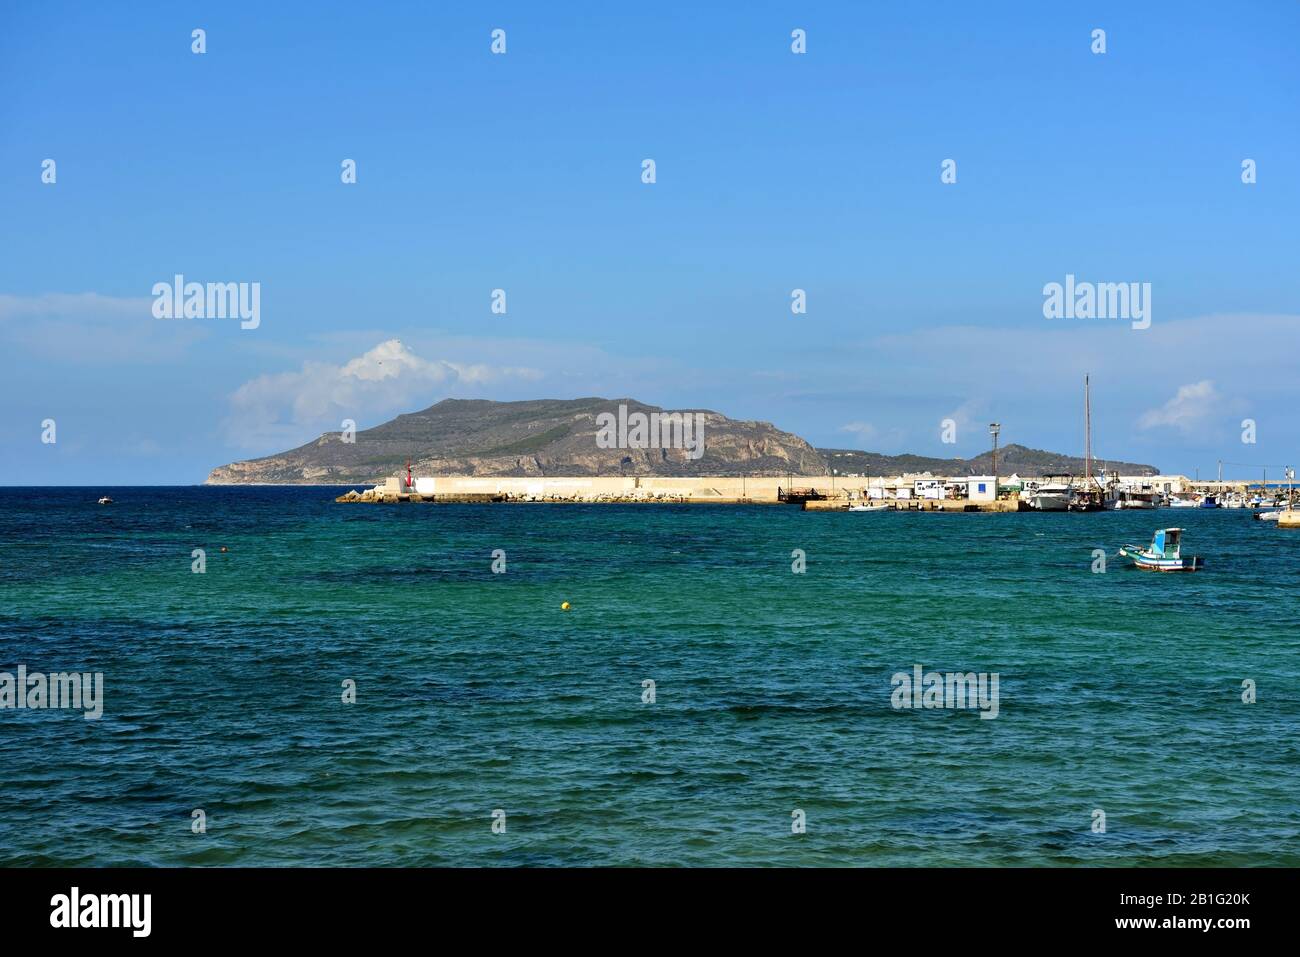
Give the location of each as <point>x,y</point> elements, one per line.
<point>774,171</point>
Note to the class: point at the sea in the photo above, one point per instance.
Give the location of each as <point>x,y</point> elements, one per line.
<point>291,681</point>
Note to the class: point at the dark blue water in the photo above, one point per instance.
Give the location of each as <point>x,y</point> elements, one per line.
<point>1119,692</point>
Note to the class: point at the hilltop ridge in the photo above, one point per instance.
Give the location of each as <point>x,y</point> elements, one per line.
<point>543,437</point>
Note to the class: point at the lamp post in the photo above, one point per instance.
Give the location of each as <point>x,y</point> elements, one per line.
<point>994,429</point>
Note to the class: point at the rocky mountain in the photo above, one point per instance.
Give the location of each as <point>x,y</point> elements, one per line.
<point>560,437</point>
<point>1012,459</point>
<point>540,437</point>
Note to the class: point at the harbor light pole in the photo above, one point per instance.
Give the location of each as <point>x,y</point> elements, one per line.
<point>994,429</point>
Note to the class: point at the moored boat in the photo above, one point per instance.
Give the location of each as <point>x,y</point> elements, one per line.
<point>1093,495</point>
<point>1087,501</point>
<point>1053,497</point>
<point>868,508</point>
<point>1135,500</point>
<point>1164,554</point>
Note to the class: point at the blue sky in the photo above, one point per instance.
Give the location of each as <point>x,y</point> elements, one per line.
<point>522,171</point>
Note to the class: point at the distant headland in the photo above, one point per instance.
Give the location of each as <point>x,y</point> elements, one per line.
<point>598,437</point>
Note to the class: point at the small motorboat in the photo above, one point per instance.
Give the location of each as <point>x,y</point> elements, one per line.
<point>1272,516</point>
<point>105,500</point>
<point>1176,502</point>
<point>1210,501</point>
<point>1164,554</point>
<point>860,507</point>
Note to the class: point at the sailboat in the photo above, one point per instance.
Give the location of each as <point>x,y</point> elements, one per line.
<point>1091,497</point>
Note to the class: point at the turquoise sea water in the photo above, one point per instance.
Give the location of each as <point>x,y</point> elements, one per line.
<point>475,691</point>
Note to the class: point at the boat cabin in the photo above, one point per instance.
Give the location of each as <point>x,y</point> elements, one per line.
<point>1166,542</point>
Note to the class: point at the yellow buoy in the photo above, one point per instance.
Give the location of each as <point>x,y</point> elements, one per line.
<point>564,606</point>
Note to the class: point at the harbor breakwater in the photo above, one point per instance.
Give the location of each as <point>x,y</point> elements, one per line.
<point>825,493</point>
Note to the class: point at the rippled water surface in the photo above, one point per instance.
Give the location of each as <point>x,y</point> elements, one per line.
<point>475,691</point>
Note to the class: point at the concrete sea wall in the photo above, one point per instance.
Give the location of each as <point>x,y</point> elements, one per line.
<point>839,491</point>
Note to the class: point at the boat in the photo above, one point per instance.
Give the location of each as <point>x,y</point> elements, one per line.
<point>868,508</point>
<point>1136,500</point>
<point>1088,500</point>
<point>1176,502</point>
<point>1052,497</point>
<point>105,500</point>
<point>1209,501</point>
<point>1271,516</point>
<point>1092,497</point>
<point>1164,554</point>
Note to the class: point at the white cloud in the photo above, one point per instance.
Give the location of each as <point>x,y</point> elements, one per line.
<point>55,304</point>
<point>861,430</point>
<point>285,408</point>
<point>93,329</point>
<point>1187,410</point>
<point>964,416</point>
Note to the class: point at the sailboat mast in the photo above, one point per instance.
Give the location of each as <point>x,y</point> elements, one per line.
<point>1087,434</point>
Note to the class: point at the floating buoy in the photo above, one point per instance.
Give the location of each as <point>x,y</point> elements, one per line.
<point>223,548</point>
<point>564,606</point>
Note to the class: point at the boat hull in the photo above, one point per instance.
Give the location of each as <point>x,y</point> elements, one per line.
<point>1051,502</point>
<point>1150,563</point>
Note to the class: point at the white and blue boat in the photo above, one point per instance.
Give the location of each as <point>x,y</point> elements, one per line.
<point>1164,554</point>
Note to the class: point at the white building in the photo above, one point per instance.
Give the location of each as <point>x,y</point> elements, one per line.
<point>982,488</point>
<point>931,488</point>
<point>1168,484</point>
